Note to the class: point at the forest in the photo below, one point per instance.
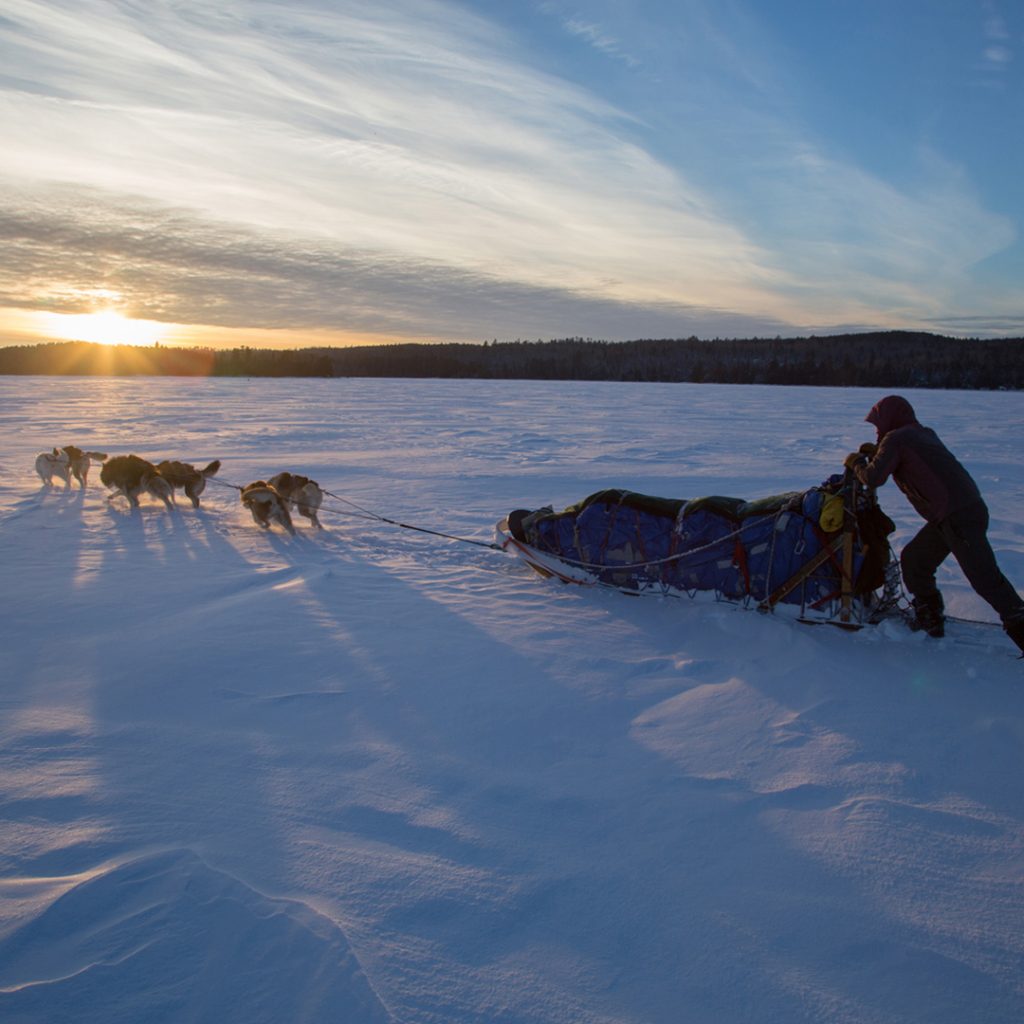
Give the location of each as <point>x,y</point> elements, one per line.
<point>884,359</point>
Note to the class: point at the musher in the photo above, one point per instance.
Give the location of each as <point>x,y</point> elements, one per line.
<point>956,517</point>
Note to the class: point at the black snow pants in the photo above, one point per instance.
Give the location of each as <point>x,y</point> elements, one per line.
<point>964,535</point>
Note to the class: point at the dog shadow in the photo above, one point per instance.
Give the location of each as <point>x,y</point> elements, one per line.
<point>72,498</point>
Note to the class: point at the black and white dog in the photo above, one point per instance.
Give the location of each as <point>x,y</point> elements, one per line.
<point>266,505</point>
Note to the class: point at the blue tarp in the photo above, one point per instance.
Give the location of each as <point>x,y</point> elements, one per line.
<point>735,548</point>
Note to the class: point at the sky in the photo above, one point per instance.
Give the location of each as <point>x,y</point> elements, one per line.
<point>333,172</point>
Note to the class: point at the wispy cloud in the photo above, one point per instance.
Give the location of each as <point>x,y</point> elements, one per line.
<point>994,24</point>
<point>592,33</point>
<point>997,53</point>
<point>382,131</point>
<point>835,242</point>
<point>979,325</point>
<point>844,232</point>
<point>385,130</point>
<point>405,168</point>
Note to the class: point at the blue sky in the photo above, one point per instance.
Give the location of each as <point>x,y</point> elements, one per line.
<point>348,171</point>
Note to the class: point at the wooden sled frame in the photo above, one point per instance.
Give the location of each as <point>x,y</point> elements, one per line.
<point>843,544</point>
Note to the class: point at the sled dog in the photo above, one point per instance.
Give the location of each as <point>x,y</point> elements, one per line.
<point>191,480</point>
<point>131,476</point>
<point>81,461</point>
<point>51,464</point>
<point>303,493</point>
<point>266,505</point>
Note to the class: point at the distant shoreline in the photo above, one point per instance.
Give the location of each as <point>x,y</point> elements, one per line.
<point>886,359</point>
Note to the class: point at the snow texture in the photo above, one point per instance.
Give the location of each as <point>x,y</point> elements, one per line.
<point>367,774</point>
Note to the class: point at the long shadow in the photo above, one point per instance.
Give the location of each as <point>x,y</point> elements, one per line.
<point>127,742</point>
<point>88,659</point>
<point>48,681</point>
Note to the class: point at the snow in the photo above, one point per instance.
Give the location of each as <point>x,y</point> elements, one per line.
<point>368,774</point>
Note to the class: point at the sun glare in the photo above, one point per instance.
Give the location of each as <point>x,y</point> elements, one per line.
<point>107,327</point>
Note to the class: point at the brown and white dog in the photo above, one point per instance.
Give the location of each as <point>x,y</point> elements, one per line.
<point>303,493</point>
<point>131,476</point>
<point>80,462</point>
<point>187,477</point>
<point>51,464</point>
<point>266,505</point>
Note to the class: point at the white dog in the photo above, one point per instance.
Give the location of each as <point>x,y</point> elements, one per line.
<point>51,464</point>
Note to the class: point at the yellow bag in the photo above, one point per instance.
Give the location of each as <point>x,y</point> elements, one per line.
<point>831,518</point>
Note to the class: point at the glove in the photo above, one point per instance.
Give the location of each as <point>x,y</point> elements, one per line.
<point>868,448</point>
<point>855,459</point>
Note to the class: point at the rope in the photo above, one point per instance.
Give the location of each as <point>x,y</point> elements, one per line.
<point>973,622</point>
<point>363,513</point>
<point>223,483</point>
<point>366,513</point>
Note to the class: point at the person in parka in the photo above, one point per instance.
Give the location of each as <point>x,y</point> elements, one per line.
<point>956,517</point>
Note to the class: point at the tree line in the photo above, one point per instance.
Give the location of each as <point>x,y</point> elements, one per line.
<point>884,359</point>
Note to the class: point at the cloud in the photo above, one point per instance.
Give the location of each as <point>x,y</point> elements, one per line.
<point>997,55</point>
<point>70,253</point>
<point>593,34</point>
<point>412,160</point>
<point>412,130</point>
<point>831,240</point>
<point>878,243</point>
<point>979,326</point>
<point>994,25</point>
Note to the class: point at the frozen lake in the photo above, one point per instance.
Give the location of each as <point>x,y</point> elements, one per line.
<point>370,774</point>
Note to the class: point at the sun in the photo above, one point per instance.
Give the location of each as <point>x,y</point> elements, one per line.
<point>108,327</point>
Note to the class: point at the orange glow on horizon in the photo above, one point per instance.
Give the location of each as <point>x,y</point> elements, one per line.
<point>34,327</point>
<point>107,327</point>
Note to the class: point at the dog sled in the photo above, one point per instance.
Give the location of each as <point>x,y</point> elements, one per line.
<point>822,553</point>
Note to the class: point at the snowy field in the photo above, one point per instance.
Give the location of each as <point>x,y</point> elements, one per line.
<point>372,775</point>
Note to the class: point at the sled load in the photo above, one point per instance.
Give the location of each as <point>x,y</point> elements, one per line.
<point>824,550</point>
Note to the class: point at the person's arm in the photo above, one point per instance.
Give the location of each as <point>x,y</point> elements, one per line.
<point>873,471</point>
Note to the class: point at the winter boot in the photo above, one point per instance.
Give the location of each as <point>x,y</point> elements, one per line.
<point>928,615</point>
<point>1014,626</point>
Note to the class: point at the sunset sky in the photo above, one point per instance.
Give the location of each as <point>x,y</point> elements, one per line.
<point>306,173</point>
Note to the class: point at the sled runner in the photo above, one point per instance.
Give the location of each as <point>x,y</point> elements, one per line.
<point>824,551</point>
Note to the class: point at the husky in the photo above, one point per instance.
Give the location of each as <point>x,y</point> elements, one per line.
<point>131,476</point>
<point>266,505</point>
<point>303,493</point>
<point>80,462</point>
<point>51,464</point>
<point>190,479</point>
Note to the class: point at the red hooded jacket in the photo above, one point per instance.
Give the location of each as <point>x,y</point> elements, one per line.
<point>924,469</point>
